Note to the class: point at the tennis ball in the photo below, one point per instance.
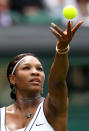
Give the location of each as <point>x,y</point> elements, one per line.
<point>70,12</point>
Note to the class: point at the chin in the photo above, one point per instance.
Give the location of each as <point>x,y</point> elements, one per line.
<point>35,88</point>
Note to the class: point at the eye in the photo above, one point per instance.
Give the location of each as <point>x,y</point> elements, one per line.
<point>40,68</point>
<point>26,68</point>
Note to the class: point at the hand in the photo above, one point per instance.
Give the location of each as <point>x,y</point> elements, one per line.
<point>65,37</point>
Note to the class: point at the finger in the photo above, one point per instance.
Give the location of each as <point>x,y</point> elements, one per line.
<point>58,29</point>
<point>55,32</point>
<point>69,30</point>
<point>76,27</point>
<point>65,32</point>
<point>71,24</point>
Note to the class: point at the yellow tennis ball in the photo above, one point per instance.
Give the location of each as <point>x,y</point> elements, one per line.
<point>70,12</point>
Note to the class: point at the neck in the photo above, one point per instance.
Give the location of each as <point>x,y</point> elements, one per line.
<point>24,103</point>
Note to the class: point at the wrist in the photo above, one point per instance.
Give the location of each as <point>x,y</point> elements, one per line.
<point>63,50</point>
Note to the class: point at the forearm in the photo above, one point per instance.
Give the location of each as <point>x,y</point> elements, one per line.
<point>59,69</point>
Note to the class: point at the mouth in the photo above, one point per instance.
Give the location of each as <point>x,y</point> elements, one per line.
<point>35,81</point>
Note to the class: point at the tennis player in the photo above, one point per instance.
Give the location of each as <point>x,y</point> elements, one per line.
<point>30,111</point>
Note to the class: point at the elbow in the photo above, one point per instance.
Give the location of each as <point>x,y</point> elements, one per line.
<point>55,81</point>
<point>60,83</point>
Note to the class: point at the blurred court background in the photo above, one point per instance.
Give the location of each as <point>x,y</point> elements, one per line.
<point>24,27</point>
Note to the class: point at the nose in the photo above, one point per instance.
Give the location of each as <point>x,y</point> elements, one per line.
<point>34,72</point>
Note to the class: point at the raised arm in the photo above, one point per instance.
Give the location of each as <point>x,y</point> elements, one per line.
<point>56,103</point>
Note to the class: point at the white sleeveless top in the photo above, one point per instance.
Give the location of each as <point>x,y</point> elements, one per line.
<point>38,123</point>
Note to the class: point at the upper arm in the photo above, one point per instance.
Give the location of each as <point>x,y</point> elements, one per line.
<point>58,97</point>
<point>56,107</point>
<point>58,120</point>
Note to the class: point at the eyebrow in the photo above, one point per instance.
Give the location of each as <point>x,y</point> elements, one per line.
<point>30,64</point>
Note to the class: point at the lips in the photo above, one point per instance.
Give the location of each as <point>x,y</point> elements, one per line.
<point>35,80</point>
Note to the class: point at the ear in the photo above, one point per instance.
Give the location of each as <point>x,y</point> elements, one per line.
<point>12,79</point>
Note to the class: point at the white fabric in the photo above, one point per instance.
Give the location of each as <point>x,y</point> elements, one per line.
<point>38,123</point>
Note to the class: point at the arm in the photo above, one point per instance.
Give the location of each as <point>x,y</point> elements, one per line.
<point>56,103</point>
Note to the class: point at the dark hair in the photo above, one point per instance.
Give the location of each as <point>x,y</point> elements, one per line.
<point>10,67</point>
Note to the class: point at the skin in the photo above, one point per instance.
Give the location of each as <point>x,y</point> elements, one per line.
<point>56,101</point>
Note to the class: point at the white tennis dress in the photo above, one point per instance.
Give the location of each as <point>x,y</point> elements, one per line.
<point>38,123</point>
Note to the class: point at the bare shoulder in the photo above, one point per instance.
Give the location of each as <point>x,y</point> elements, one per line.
<point>10,108</point>
<point>58,120</point>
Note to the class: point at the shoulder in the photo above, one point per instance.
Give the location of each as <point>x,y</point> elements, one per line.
<point>57,120</point>
<point>10,108</point>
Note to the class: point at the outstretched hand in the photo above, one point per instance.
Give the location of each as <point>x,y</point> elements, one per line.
<point>65,37</point>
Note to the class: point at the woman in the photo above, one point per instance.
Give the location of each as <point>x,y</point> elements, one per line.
<point>31,112</point>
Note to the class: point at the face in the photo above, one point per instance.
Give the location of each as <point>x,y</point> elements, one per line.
<point>29,75</point>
